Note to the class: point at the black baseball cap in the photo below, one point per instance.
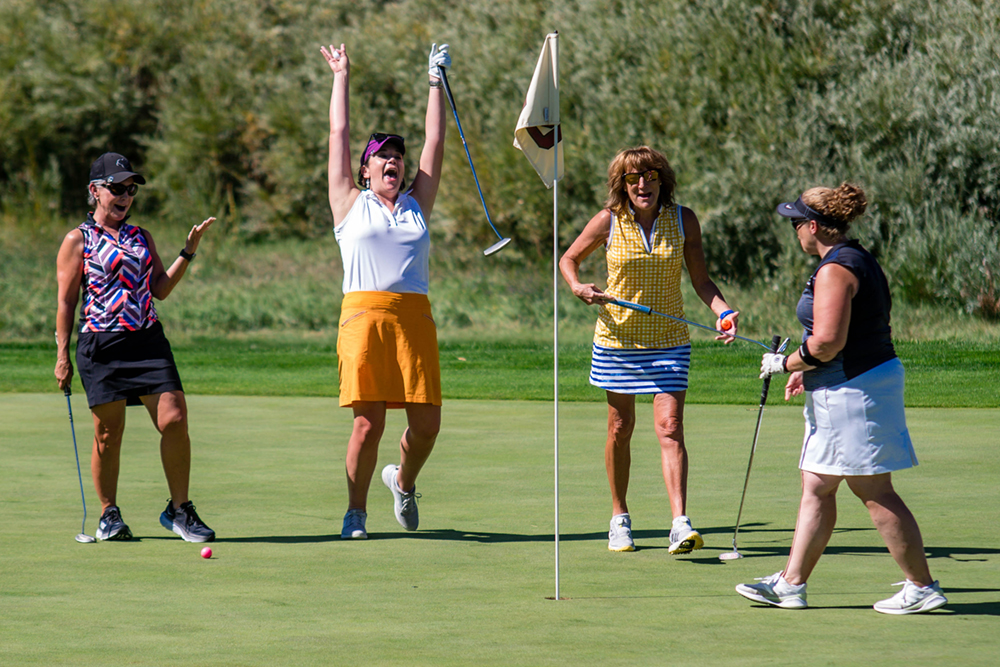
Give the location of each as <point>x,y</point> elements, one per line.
<point>114,168</point>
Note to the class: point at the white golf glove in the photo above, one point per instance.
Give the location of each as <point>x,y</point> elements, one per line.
<point>772,364</point>
<point>438,58</point>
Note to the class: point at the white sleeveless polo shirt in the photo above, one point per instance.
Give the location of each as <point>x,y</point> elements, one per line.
<point>383,250</point>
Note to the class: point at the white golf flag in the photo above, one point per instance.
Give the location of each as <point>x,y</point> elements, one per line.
<point>538,127</point>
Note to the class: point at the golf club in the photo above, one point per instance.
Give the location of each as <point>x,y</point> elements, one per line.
<point>83,537</point>
<point>735,554</point>
<point>451,100</point>
<point>648,310</point>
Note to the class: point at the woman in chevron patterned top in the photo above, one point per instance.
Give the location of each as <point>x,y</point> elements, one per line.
<point>122,354</point>
<point>647,238</point>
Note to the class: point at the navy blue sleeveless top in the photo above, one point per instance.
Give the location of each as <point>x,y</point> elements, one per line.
<point>869,336</point>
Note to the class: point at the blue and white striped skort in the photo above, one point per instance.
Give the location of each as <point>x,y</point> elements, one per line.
<point>640,371</point>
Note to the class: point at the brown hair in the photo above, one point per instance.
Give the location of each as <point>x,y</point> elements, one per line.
<point>840,206</point>
<point>638,159</point>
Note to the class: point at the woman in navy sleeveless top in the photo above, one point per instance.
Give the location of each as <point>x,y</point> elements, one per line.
<point>855,422</point>
<point>122,355</point>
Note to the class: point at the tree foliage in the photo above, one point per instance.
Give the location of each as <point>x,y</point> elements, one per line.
<point>224,104</point>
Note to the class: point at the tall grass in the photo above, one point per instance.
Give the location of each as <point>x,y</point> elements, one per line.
<point>293,287</point>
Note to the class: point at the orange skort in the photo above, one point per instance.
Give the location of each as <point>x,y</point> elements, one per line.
<point>387,350</point>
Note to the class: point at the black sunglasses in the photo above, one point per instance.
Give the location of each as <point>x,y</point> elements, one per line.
<point>650,176</point>
<point>118,189</point>
<point>798,222</point>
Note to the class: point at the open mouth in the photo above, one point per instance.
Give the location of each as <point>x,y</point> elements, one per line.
<point>390,174</point>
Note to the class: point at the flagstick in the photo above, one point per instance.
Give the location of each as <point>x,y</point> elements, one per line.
<point>555,329</point>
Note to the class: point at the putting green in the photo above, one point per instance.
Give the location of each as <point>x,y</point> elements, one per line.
<point>471,586</point>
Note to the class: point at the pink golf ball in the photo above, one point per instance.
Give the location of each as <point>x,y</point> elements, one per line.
<point>206,552</point>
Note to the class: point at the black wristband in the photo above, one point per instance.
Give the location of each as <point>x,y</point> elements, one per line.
<point>189,256</point>
<point>808,358</point>
<point>784,364</point>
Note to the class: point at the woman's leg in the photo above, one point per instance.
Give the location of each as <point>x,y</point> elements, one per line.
<point>617,451</point>
<point>895,523</point>
<point>423,424</point>
<point>169,414</point>
<point>814,526</point>
<point>668,418</point>
<point>362,451</point>
<point>109,425</point>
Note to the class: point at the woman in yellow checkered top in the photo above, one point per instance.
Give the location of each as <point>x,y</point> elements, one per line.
<point>647,238</point>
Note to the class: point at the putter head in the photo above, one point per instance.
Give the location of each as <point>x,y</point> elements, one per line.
<point>496,246</point>
<point>83,538</point>
<point>730,555</point>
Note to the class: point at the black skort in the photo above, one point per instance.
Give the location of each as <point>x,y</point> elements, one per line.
<point>116,365</point>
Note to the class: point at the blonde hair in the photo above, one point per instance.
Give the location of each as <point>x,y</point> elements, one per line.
<point>840,205</point>
<point>638,159</point>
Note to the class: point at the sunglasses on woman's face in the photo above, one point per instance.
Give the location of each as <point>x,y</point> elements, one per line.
<point>118,189</point>
<point>648,176</point>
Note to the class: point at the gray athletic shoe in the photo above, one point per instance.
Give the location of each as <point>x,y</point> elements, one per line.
<point>404,504</point>
<point>913,599</point>
<point>774,590</point>
<point>683,538</point>
<point>111,526</point>
<point>185,522</point>
<point>354,526</point>
<point>620,535</point>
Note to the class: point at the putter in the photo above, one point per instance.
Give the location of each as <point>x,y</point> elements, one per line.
<point>648,311</point>
<point>83,537</point>
<point>735,554</point>
<point>451,100</point>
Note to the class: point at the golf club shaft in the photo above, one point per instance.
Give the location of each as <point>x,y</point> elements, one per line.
<point>775,342</point>
<point>454,110</point>
<point>648,310</point>
<point>79,475</point>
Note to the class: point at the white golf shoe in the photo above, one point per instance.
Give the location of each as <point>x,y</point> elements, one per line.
<point>912,599</point>
<point>683,538</point>
<point>620,535</point>
<point>774,590</point>
<point>404,504</point>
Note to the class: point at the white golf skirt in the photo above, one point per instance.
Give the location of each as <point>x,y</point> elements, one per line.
<point>858,427</point>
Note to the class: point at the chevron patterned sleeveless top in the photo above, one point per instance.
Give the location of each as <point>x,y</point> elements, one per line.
<point>647,272</point>
<point>116,294</point>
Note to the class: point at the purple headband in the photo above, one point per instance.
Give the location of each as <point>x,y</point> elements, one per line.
<point>379,139</point>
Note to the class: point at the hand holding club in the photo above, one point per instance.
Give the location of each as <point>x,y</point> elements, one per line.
<point>438,58</point>
<point>772,364</point>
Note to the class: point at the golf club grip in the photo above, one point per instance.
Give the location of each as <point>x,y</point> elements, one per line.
<point>447,91</point>
<point>633,306</point>
<point>775,342</point>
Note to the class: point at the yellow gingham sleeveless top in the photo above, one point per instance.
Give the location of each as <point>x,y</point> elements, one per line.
<point>648,273</point>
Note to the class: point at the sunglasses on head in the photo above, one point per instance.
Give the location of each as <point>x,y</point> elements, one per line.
<point>648,176</point>
<point>118,189</point>
<point>382,136</point>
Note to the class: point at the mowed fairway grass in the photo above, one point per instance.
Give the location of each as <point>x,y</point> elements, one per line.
<point>472,586</point>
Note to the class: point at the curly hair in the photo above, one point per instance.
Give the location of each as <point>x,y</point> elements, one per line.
<point>841,205</point>
<point>638,159</point>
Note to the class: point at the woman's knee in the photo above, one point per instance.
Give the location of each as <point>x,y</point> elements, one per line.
<point>670,429</point>
<point>425,429</point>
